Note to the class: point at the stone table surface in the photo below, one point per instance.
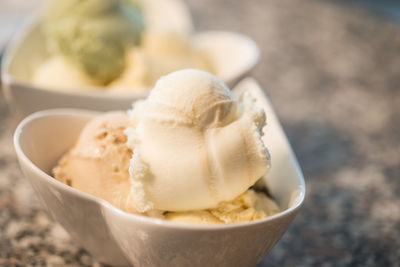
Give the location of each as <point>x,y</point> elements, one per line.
<point>333,73</point>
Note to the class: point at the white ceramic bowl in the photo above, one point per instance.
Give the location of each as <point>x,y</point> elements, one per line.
<point>231,54</point>
<point>116,237</point>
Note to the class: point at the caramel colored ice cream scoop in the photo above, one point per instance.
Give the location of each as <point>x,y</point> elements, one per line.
<point>98,164</point>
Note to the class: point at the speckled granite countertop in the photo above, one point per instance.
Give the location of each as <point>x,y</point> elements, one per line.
<point>333,73</point>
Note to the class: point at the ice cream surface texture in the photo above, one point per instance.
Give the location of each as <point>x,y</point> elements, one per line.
<point>94,34</point>
<point>189,153</point>
<point>249,206</point>
<point>194,144</point>
<point>98,163</point>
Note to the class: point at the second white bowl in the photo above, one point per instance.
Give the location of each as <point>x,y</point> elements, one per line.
<point>231,54</point>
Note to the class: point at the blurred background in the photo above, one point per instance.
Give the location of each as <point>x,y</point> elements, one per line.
<point>332,71</point>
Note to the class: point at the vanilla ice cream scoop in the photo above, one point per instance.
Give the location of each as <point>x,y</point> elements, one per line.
<point>193,144</point>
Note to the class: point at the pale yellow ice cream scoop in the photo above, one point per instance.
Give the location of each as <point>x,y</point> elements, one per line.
<point>194,145</point>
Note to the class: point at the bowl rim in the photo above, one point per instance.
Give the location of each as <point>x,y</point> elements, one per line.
<point>137,217</point>
<point>33,21</point>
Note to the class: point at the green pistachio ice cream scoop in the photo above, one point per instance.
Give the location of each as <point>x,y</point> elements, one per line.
<point>94,34</point>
